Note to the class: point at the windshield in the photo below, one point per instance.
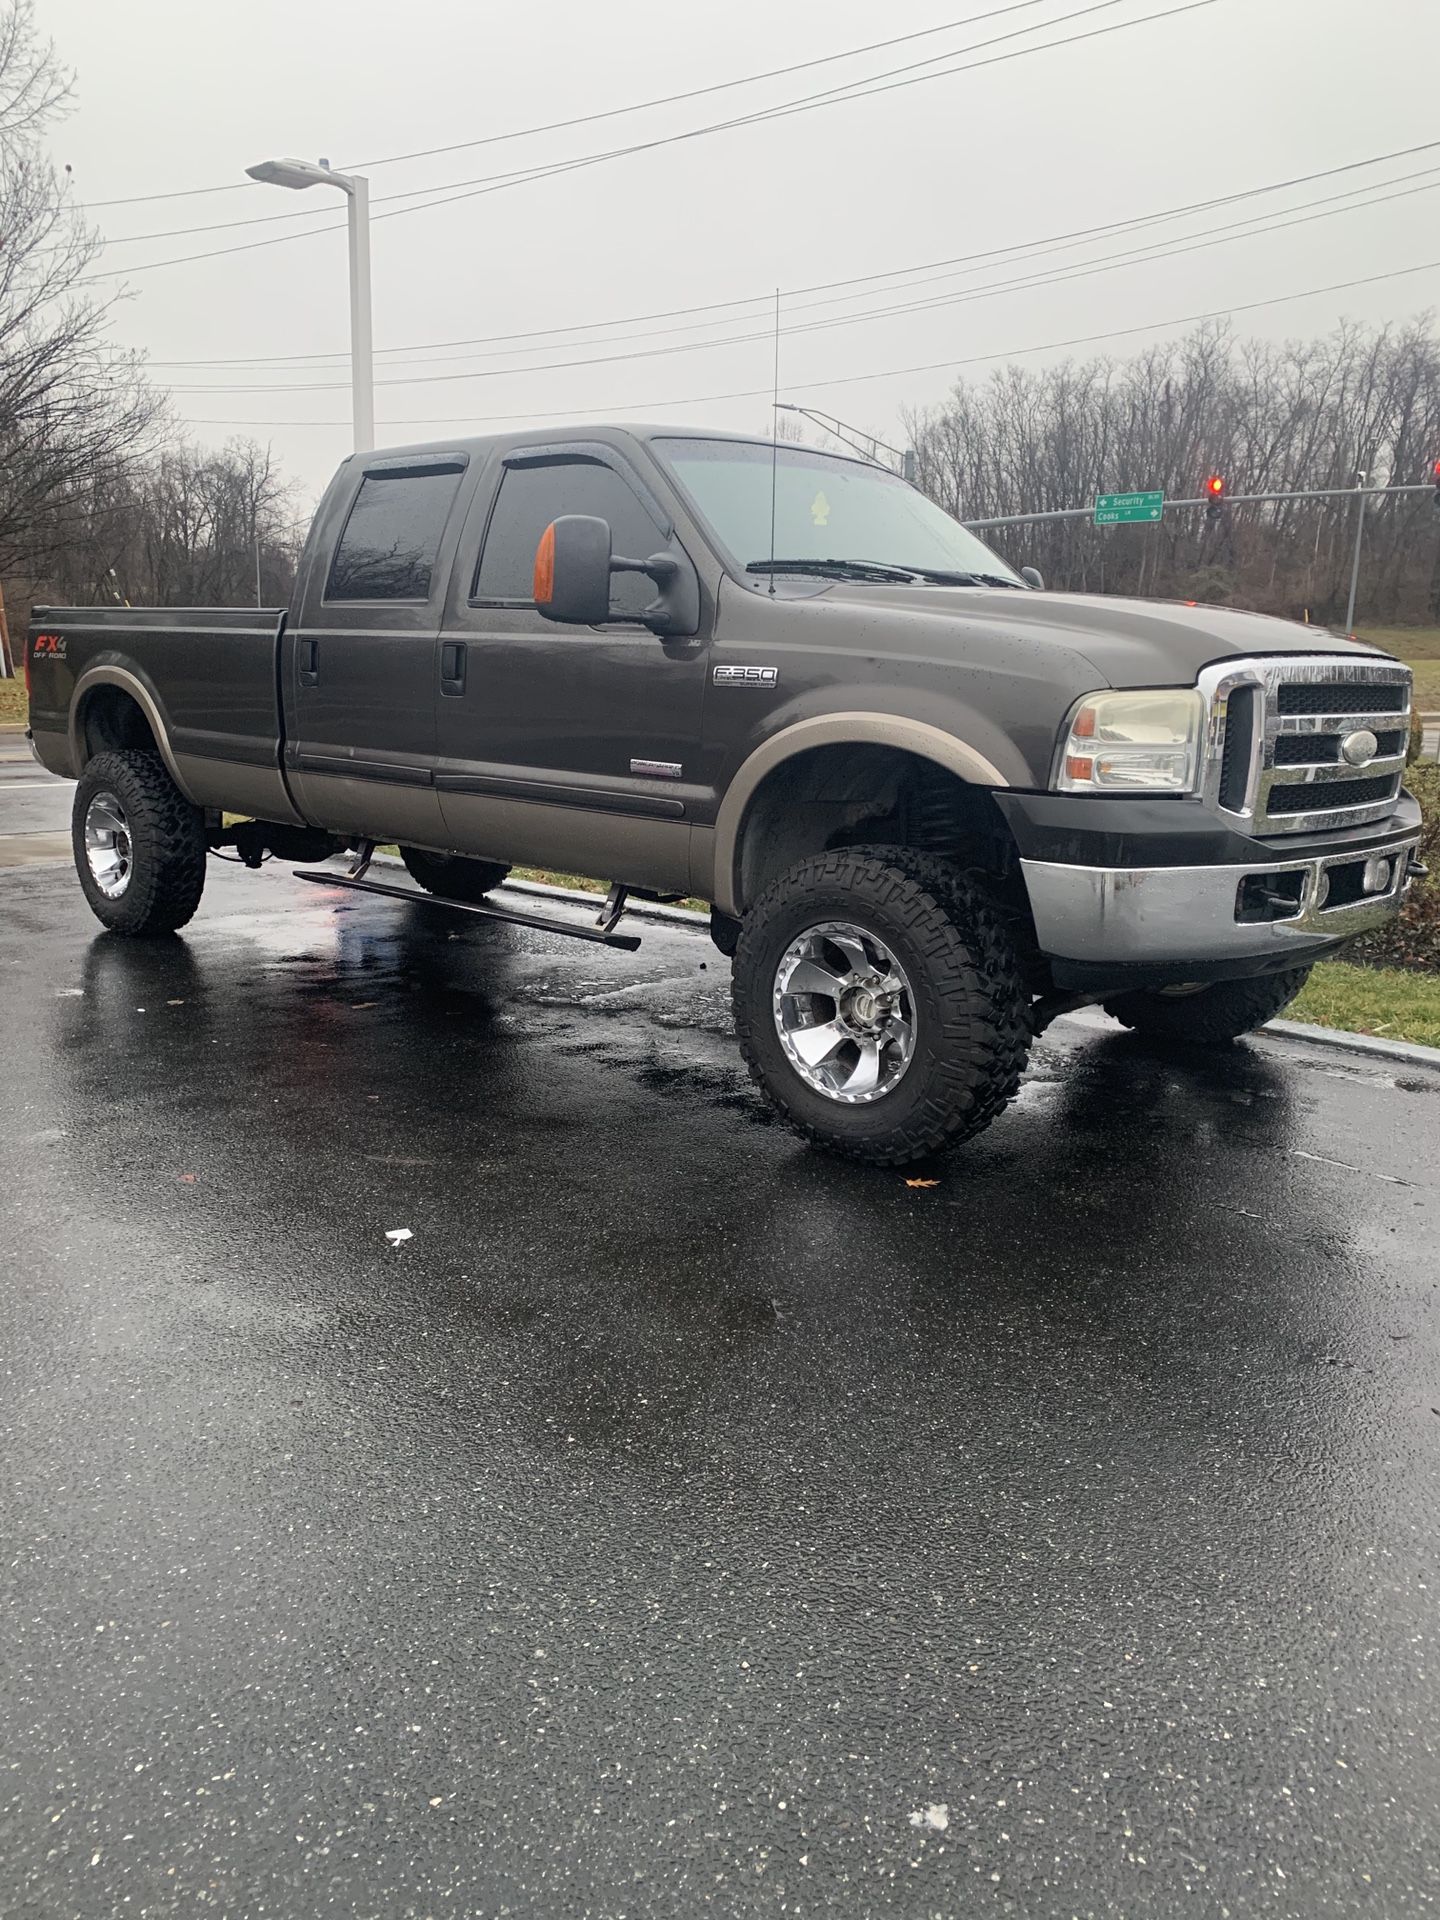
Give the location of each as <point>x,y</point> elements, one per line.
<point>826,510</point>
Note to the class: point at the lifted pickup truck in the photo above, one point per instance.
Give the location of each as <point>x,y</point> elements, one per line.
<point>931,806</point>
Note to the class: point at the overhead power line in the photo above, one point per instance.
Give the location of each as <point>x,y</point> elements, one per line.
<point>636,408</point>
<point>542,169</point>
<point>588,119</point>
<point>1076,271</point>
<point>832,97</point>
<point>1105,230</point>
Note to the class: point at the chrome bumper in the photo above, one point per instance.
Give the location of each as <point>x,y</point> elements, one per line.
<point>1137,914</point>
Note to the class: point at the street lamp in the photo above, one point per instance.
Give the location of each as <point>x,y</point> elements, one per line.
<point>304,173</point>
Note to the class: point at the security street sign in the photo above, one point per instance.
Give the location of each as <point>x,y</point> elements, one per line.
<point>1116,509</point>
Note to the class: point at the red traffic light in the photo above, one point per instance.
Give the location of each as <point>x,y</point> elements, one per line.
<point>1215,486</point>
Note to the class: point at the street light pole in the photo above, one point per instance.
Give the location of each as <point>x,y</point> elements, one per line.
<point>304,173</point>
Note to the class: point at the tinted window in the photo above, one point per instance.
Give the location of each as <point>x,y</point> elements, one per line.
<point>388,548</point>
<point>531,497</point>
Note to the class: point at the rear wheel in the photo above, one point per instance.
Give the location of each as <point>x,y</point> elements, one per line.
<point>451,876</point>
<point>1208,1016</point>
<point>139,844</point>
<point>879,1003</point>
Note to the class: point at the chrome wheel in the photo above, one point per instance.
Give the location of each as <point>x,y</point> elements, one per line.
<point>844,1012</point>
<point>107,845</point>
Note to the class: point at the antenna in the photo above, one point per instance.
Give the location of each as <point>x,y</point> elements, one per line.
<point>775,441</point>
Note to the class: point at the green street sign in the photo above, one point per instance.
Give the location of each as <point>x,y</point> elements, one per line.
<point>1118,509</point>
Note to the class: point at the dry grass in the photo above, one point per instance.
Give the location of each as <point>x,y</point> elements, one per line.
<point>1419,647</point>
<point>14,707</point>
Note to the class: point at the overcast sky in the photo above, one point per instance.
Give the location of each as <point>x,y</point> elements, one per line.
<point>1229,96</point>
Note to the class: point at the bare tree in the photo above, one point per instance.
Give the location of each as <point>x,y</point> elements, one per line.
<point>73,408</point>
<point>1269,417</point>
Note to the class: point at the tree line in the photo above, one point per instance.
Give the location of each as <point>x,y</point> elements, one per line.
<point>1267,416</point>
<point>101,498</point>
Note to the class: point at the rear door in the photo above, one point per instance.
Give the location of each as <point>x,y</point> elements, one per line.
<point>568,746</point>
<point>361,661</point>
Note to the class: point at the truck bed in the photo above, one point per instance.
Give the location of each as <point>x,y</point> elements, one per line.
<point>207,678</point>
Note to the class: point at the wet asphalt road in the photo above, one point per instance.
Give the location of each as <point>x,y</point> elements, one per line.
<point>680,1517</point>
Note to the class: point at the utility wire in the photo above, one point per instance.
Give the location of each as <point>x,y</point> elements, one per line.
<point>461,189</point>
<point>1022,247</point>
<point>1029,282</point>
<point>631,409</point>
<point>833,97</point>
<point>588,119</point>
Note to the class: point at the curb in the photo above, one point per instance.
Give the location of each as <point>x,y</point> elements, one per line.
<point>1406,1050</point>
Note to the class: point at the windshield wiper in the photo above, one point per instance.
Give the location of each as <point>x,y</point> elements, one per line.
<point>881,570</point>
<point>834,569</point>
<point>938,577</point>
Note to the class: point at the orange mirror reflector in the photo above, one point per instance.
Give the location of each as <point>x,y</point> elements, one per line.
<point>544,590</point>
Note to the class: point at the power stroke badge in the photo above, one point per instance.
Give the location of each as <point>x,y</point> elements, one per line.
<point>746,676</point>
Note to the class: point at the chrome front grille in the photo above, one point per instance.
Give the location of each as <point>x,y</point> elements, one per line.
<point>1278,733</point>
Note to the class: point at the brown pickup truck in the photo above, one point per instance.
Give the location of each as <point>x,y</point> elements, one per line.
<point>931,805</point>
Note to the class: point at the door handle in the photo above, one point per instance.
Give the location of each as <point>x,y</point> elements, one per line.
<point>453,654</point>
<point>309,663</point>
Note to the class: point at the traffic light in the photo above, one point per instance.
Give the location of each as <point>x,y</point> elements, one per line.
<point>1436,501</point>
<point>1214,496</point>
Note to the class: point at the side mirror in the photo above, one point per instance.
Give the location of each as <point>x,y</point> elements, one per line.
<point>573,565</point>
<point>1033,577</point>
<point>572,570</point>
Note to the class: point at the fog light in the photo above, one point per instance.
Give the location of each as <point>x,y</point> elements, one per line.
<point>1376,877</point>
<point>1322,888</point>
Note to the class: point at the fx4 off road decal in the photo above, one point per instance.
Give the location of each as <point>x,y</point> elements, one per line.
<point>48,646</point>
<point>746,676</point>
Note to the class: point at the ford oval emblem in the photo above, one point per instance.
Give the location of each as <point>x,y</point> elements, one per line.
<point>1360,748</point>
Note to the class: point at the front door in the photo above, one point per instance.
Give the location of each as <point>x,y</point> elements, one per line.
<point>567,746</point>
<point>362,659</point>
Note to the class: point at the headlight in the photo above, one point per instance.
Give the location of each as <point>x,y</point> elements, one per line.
<point>1132,743</point>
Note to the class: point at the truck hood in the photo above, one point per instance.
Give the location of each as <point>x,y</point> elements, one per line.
<point>1130,643</point>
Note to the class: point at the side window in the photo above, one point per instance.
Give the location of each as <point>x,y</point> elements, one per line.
<point>388,548</point>
<point>531,497</point>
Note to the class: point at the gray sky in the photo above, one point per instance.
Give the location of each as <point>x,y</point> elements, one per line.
<point>1230,96</point>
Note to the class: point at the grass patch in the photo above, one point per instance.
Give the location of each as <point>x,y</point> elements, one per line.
<point>579,883</point>
<point>1418,647</point>
<point>1390,1002</point>
<point>14,707</point>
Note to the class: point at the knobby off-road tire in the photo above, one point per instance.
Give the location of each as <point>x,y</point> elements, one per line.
<point>971,1012</point>
<point>451,876</point>
<point>142,861</point>
<point>1212,1016</point>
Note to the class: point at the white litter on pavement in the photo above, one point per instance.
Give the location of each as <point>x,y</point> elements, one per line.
<point>936,1817</point>
<point>398,1235</point>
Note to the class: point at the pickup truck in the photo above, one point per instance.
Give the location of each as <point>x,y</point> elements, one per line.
<point>930,804</point>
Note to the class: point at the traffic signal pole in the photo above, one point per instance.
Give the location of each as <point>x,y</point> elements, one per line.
<point>1231,499</point>
<point>1360,478</point>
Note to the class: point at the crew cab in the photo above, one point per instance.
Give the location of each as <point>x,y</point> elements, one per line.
<point>930,804</point>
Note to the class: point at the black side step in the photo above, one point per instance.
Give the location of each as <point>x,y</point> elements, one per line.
<point>628,941</point>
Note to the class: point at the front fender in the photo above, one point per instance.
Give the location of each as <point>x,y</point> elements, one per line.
<point>919,737</point>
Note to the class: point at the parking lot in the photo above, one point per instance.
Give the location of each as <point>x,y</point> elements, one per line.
<point>680,1521</point>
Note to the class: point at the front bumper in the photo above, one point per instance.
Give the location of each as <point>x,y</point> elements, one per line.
<point>1144,915</point>
<point>1148,892</point>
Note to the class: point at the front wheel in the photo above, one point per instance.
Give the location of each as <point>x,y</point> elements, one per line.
<point>139,844</point>
<point>1208,1016</point>
<point>453,877</point>
<point>879,1003</point>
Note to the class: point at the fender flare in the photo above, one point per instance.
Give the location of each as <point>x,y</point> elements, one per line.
<point>825,730</point>
<point>128,682</point>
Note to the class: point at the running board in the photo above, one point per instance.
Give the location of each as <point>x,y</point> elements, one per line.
<point>627,941</point>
